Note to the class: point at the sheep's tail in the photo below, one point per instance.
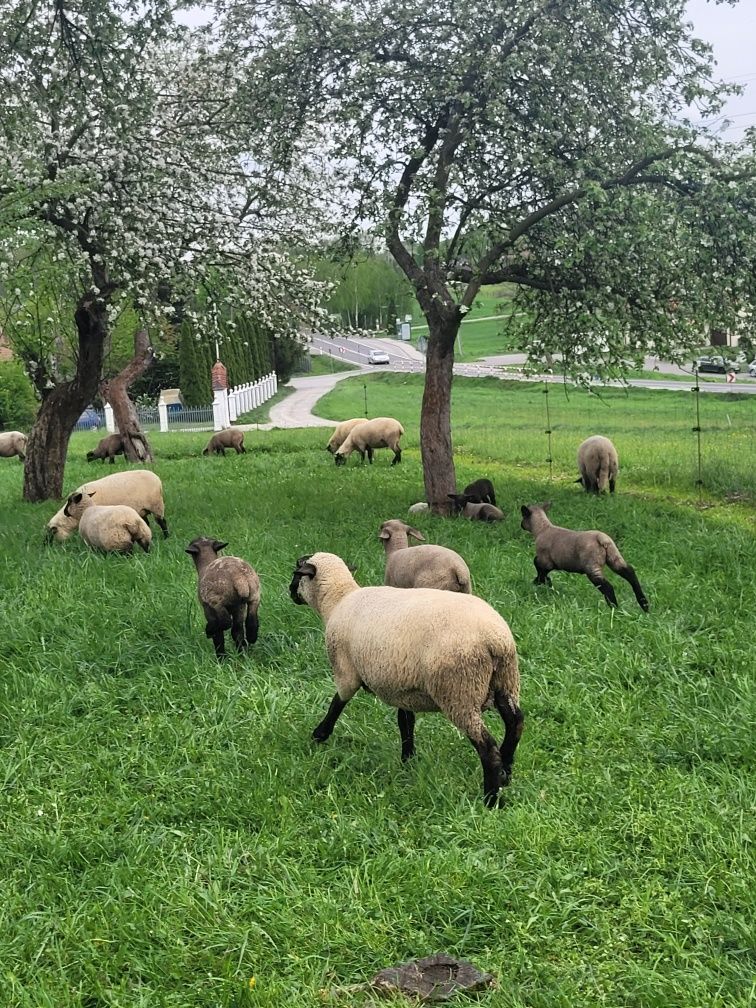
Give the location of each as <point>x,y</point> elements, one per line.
<point>614,558</point>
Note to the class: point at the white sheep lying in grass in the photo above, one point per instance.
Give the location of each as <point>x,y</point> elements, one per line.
<point>586,553</point>
<point>140,489</point>
<point>425,566</point>
<point>113,528</point>
<point>418,650</point>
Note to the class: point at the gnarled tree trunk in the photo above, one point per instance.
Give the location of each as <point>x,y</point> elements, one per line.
<point>63,405</point>
<point>435,417</point>
<point>136,448</point>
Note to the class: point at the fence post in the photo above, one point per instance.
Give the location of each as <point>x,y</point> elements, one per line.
<point>109,419</point>
<point>248,398</point>
<point>274,376</point>
<point>163,415</point>
<point>258,392</point>
<point>220,410</point>
<point>232,405</point>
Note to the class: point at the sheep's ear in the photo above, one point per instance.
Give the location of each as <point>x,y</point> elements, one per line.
<point>383,534</point>
<point>218,545</point>
<point>415,533</point>
<point>305,568</point>
<point>545,506</point>
<point>92,494</point>
<point>192,550</point>
<point>76,498</point>
<point>525,511</point>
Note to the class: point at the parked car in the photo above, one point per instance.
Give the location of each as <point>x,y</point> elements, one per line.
<point>90,418</point>
<point>715,365</point>
<point>378,357</point>
<point>752,369</point>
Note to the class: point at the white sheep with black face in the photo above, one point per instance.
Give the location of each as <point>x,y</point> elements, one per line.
<point>113,528</point>
<point>382,432</point>
<point>140,489</point>
<point>341,433</point>
<point>418,650</point>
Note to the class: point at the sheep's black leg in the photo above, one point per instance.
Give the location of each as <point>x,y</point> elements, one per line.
<point>370,454</point>
<point>604,587</point>
<point>112,460</point>
<point>514,722</point>
<point>542,573</point>
<point>242,450</point>
<point>491,762</point>
<point>611,484</point>
<point>324,729</point>
<point>252,626</point>
<point>629,575</point>
<point>406,721</point>
<point>163,525</point>
<point>397,456</point>
<point>237,633</point>
<point>214,630</point>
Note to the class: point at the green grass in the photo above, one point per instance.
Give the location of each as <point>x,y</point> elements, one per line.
<point>503,423</point>
<point>327,364</point>
<point>170,831</point>
<point>478,338</point>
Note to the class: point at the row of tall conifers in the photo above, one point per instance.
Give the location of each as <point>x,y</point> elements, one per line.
<point>245,350</point>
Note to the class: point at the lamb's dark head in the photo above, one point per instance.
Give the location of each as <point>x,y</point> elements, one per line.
<point>303,569</point>
<point>340,459</point>
<point>204,549</point>
<point>458,502</point>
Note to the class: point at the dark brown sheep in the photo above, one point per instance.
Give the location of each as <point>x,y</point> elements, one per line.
<point>108,448</point>
<point>229,593</point>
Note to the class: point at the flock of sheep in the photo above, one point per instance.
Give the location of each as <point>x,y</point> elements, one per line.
<point>447,651</point>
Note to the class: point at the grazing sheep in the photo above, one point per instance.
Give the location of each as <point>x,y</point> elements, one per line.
<point>231,437</point>
<point>229,592</point>
<point>480,492</point>
<point>578,552</point>
<point>12,443</point>
<point>422,566</point>
<point>597,464</point>
<point>109,447</point>
<point>473,510</point>
<point>419,650</point>
<point>339,436</point>
<point>137,488</point>
<point>383,432</point>
<point>110,527</point>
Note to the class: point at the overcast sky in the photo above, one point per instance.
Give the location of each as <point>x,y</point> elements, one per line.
<point>732,33</point>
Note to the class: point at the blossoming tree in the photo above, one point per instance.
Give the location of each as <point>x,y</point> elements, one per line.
<point>128,164</point>
<point>545,145</point>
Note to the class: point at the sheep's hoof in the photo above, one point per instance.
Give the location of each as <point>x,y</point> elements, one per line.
<point>320,736</point>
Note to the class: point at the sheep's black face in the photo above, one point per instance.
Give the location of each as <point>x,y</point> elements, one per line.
<point>73,499</point>
<point>303,569</point>
<point>340,459</point>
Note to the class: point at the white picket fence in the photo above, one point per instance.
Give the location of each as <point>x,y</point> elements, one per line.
<point>227,406</point>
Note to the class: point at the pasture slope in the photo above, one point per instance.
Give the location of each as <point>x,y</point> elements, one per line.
<point>173,839</point>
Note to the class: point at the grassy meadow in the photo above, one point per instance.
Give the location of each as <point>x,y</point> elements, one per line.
<point>173,838</point>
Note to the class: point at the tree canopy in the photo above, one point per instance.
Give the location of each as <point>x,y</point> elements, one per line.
<point>550,146</point>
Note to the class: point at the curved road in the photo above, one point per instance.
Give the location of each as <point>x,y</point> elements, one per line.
<point>296,409</point>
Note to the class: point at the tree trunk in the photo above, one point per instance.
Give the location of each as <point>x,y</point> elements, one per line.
<point>63,405</point>
<point>435,418</point>
<point>136,448</point>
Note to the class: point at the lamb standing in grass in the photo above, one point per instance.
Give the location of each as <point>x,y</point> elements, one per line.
<point>229,592</point>
<point>108,448</point>
<point>113,528</point>
<point>473,510</point>
<point>12,443</point>
<point>419,650</point>
<point>339,436</point>
<point>598,464</point>
<point>137,488</point>
<point>231,437</point>
<point>422,566</point>
<point>383,432</point>
<point>579,552</point>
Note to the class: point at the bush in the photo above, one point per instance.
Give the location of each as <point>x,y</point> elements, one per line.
<point>18,401</point>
